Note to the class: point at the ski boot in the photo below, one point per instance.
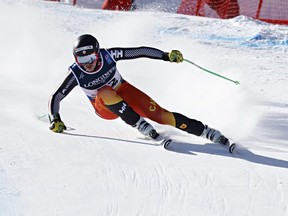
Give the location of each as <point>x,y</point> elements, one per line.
<point>214,135</point>
<point>147,130</point>
<point>217,137</point>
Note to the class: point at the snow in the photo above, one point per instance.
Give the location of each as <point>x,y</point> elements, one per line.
<point>107,168</point>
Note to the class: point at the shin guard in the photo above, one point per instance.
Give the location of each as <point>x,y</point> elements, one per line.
<point>191,126</point>
<point>125,112</point>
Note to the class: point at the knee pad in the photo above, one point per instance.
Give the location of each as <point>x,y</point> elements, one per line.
<point>108,95</point>
<point>102,111</point>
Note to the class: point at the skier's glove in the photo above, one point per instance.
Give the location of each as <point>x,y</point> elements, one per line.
<point>175,56</point>
<point>56,124</point>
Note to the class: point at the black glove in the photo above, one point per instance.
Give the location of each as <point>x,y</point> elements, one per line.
<point>175,56</point>
<point>56,124</point>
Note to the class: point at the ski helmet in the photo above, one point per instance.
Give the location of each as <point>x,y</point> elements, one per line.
<point>85,48</point>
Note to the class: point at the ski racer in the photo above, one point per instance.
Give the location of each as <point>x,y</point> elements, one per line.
<point>95,71</point>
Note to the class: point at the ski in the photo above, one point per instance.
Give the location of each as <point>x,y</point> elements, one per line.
<point>159,141</point>
<point>166,143</point>
<point>162,141</point>
<point>232,148</point>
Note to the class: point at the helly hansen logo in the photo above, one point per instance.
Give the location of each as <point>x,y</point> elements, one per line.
<point>123,108</point>
<point>116,53</point>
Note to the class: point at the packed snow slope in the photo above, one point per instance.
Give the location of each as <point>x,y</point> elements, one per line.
<point>103,167</point>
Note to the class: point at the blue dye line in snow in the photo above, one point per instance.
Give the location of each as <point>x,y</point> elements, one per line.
<point>255,41</point>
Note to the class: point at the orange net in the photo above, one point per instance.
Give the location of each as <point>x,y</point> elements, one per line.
<point>273,11</point>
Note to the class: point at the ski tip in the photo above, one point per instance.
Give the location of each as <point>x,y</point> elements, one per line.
<point>232,148</point>
<point>166,143</point>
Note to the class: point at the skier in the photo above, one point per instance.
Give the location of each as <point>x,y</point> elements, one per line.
<point>95,71</point>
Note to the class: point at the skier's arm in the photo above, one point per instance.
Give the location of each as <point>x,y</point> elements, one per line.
<point>54,103</point>
<point>138,52</point>
<point>61,92</point>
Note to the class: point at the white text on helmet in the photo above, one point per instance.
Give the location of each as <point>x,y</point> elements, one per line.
<point>83,48</point>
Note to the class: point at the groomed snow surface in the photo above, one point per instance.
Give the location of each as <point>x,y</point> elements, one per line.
<point>101,167</point>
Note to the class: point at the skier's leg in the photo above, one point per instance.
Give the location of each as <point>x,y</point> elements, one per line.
<point>112,102</point>
<point>197,128</point>
<point>191,126</point>
<point>116,105</point>
<point>101,110</point>
<point>143,104</point>
<point>147,107</point>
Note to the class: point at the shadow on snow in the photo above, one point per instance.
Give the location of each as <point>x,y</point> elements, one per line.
<point>215,149</point>
<point>208,148</point>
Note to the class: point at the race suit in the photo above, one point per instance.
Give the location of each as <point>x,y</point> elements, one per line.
<point>106,87</point>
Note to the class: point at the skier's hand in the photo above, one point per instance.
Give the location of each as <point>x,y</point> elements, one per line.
<point>56,124</point>
<point>175,56</point>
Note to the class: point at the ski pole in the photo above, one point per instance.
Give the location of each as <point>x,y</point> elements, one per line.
<point>211,72</point>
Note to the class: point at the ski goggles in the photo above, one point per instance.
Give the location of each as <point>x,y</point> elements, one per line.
<point>87,59</point>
